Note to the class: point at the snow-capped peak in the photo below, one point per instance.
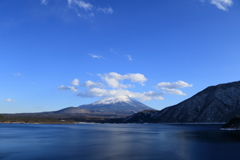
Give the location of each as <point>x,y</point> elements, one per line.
<point>112,100</point>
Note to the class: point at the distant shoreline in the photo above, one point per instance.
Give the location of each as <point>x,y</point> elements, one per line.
<point>107,123</point>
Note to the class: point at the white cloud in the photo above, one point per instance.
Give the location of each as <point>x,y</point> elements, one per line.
<point>111,82</point>
<point>108,10</point>
<point>173,91</point>
<point>93,84</point>
<point>62,87</point>
<point>90,74</point>
<point>81,4</point>
<point>94,92</point>
<point>136,78</point>
<point>113,78</point>
<point>17,74</point>
<point>178,84</point>
<point>10,100</point>
<point>85,9</point>
<point>140,78</point>
<point>222,4</point>
<point>114,82</point>
<point>95,56</point>
<point>98,92</point>
<point>151,95</point>
<point>129,57</point>
<point>44,2</point>
<point>75,82</point>
<point>171,87</point>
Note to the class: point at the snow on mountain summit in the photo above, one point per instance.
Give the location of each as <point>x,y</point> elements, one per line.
<point>116,104</point>
<point>113,100</point>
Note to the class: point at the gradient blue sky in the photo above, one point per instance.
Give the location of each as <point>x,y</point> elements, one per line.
<point>160,51</point>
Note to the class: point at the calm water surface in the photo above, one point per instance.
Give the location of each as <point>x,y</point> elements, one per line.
<point>117,142</point>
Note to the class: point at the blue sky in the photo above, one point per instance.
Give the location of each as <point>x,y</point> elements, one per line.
<point>60,53</point>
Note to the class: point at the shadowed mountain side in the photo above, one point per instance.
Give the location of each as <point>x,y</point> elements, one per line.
<point>141,117</point>
<point>214,104</point>
<point>233,124</point>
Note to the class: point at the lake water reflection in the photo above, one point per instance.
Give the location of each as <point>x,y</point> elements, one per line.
<point>117,142</point>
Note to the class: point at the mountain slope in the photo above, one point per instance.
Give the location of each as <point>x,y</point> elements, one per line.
<point>214,104</point>
<point>119,105</point>
<point>72,110</point>
<point>233,124</point>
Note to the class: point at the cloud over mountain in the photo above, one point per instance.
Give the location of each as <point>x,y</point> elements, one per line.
<point>113,78</point>
<point>98,92</point>
<point>91,84</point>
<point>113,85</point>
<point>174,85</point>
<point>171,88</point>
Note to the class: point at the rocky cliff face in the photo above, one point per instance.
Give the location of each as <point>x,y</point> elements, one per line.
<point>214,104</point>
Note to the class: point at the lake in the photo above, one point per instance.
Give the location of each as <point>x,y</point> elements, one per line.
<point>117,142</point>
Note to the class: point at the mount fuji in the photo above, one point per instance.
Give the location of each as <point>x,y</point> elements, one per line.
<point>116,105</point>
